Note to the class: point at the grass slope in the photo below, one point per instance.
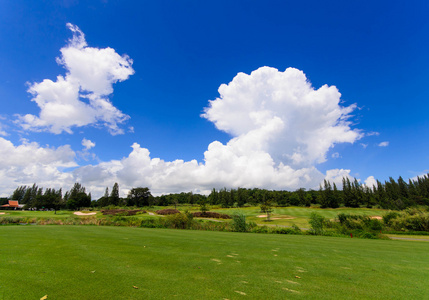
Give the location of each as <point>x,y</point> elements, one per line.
<point>89,262</point>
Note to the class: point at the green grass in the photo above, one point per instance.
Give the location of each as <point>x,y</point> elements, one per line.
<point>62,214</point>
<point>91,262</point>
<point>284,216</point>
<point>298,215</point>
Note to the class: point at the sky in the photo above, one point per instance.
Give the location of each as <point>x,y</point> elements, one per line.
<point>183,96</point>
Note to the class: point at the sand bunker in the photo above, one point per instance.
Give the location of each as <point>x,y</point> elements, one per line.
<point>2,213</point>
<point>276,218</point>
<point>78,213</point>
<point>377,217</point>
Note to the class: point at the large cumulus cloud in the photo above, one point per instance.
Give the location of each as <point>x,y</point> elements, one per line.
<point>281,114</point>
<point>81,96</point>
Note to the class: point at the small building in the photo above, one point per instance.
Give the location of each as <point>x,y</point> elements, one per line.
<point>13,204</point>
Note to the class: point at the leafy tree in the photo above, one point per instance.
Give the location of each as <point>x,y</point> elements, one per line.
<point>294,199</point>
<point>241,197</point>
<point>214,197</point>
<point>30,195</point>
<point>139,196</point>
<point>105,200</point>
<point>163,201</point>
<point>302,196</point>
<point>266,206</point>
<point>77,197</point>
<point>204,207</point>
<point>18,193</point>
<point>191,198</point>
<point>3,200</point>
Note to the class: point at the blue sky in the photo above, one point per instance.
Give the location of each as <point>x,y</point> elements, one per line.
<point>179,54</point>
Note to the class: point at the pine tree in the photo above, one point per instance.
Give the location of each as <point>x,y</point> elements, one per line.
<point>114,196</point>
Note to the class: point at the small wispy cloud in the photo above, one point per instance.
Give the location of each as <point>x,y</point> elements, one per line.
<point>372,133</point>
<point>364,145</point>
<point>335,155</point>
<point>383,144</point>
<point>88,144</point>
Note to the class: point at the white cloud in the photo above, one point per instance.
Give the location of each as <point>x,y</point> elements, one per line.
<point>364,145</point>
<point>336,176</point>
<point>370,182</point>
<point>371,133</point>
<point>80,97</point>
<point>30,163</point>
<point>281,114</point>
<point>88,144</point>
<point>383,144</point>
<point>335,155</point>
<point>222,168</point>
<point>282,128</point>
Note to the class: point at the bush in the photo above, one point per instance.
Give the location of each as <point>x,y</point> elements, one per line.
<point>261,229</point>
<point>180,221</point>
<point>317,223</point>
<point>412,219</point>
<point>375,225</point>
<point>285,230</point>
<point>239,222</point>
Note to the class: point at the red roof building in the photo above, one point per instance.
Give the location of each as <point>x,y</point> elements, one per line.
<point>12,204</point>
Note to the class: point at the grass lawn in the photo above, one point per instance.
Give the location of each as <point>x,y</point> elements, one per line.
<point>94,262</point>
<point>285,216</point>
<point>61,214</point>
<point>298,215</point>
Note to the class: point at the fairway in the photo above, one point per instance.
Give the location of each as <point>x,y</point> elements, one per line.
<point>89,262</point>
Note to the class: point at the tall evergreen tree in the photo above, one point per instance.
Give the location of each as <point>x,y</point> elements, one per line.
<point>114,196</point>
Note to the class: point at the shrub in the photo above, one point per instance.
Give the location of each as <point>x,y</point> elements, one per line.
<point>10,220</point>
<point>180,221</point>
<point>261,229</point>
<point>239,222</point>
<point>285,230</point>
<point>375,225</point>
<point>151,223</point>
<point>317,223</point>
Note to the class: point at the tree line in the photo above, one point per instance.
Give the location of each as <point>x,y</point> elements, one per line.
<point>392,194</point>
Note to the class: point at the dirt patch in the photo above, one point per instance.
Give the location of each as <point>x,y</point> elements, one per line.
<point>210,214</point>
<point>122,212</point>
<point>78,213</point>
<point>377,217</point>
<point>168,211</point>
